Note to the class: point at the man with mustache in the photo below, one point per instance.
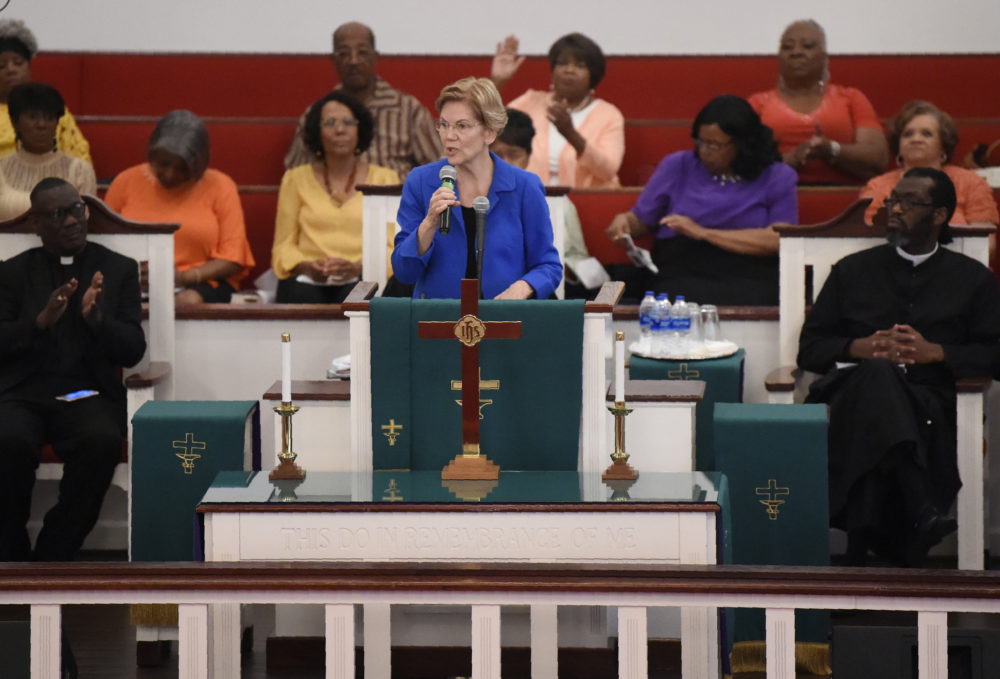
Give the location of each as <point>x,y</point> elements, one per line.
<point>404,130</point>
<point>892,329</point>
<point>70,318</point>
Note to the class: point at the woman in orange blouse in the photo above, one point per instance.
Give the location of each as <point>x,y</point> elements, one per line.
<point>211,252</point>
<point>828,133</point>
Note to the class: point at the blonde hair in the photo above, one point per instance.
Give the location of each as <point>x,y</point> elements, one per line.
<point>482,96</point>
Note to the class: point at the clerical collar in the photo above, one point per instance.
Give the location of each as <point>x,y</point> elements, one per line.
<point>917,260</point>
<point>66,260</point>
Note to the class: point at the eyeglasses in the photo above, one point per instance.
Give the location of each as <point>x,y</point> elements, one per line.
<point>333,122</point>
<point>78,210</point>
<point>905,203</point>
<point>461,127</point>
<point>711,145</point>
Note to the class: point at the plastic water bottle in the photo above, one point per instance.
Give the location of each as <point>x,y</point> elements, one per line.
<point>646,319</point>
<point>680,326</point>
<point>661,325</point>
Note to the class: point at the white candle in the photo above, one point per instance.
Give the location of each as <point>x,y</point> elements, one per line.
<point>619,366</point>
<point>286,368</point>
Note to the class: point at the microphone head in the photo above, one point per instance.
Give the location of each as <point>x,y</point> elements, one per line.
<point>447,172</point>
<point>481,204</point>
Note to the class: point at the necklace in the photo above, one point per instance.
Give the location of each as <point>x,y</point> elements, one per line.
<point>339,197</point>
<point>724,178</point>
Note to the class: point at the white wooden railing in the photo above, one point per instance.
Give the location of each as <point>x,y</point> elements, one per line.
<point>197,587</point>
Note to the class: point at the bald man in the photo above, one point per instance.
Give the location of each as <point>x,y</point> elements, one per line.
<point>404,130</point>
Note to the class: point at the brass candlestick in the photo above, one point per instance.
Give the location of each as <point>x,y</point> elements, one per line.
<point>286,469</point>
<point>619,468</point>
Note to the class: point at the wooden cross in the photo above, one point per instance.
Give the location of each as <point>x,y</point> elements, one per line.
<point>470,331</point>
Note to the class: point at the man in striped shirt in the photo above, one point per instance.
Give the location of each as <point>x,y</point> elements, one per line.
<point>404,130</point>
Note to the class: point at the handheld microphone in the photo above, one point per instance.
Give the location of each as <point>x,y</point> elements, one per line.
<point>481,205</point>
<point>447,176</point>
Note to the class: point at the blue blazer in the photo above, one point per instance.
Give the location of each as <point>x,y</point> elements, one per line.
<point>518,236</point>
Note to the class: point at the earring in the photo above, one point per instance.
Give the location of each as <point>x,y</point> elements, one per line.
<point>944,158</point>
<point>899,160</point>
<point>357,151</point>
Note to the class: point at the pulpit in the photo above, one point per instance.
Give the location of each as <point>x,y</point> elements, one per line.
<point>405,412</point>
<point>527,416</point>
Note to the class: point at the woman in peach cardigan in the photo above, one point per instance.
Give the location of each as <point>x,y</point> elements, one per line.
<point>579,138</point>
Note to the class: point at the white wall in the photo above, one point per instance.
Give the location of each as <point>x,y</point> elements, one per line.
<point>474,26</point>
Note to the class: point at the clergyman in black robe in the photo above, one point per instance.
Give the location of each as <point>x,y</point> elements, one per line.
<point>70,318</point>
<point>891,330</point>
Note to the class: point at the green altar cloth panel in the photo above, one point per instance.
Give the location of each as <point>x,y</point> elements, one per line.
<point>177,449</point>
<point>531,388</point>
<point>774,457</point>
<point>723,379</point>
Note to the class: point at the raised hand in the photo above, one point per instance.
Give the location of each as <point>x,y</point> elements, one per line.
<point>56,304</point>
<point>506,61</point>
<point>89,309</point>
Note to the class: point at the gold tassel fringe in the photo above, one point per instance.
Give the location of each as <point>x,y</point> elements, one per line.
<point>154,615</point>
<point>810,656</point>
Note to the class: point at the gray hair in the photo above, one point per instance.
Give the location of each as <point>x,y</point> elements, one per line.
<point>183,134</point>
<point>15,29</point>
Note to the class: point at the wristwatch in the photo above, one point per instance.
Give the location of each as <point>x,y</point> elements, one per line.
<point>834,150</point>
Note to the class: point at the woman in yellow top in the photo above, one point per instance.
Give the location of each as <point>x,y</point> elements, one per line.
<point>17,47</point>
<point>317,233</point>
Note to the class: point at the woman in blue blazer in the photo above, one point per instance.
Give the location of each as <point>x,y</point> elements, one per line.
<point>520,260</point>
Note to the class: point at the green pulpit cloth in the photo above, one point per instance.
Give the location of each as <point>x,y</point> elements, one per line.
<point>530,388</point>
<point>177,448</point>
<point>723,378</point>
<point>774,457</point>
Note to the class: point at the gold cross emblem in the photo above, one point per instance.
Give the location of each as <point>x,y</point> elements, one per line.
<point>682,372</point>
<point>188,445</point>
<point>771,495</point>
<point>391,431</point>
<point>392,492</point>
<point>491,385</point>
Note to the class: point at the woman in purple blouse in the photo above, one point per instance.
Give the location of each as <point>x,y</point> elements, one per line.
<point>711,210</point>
